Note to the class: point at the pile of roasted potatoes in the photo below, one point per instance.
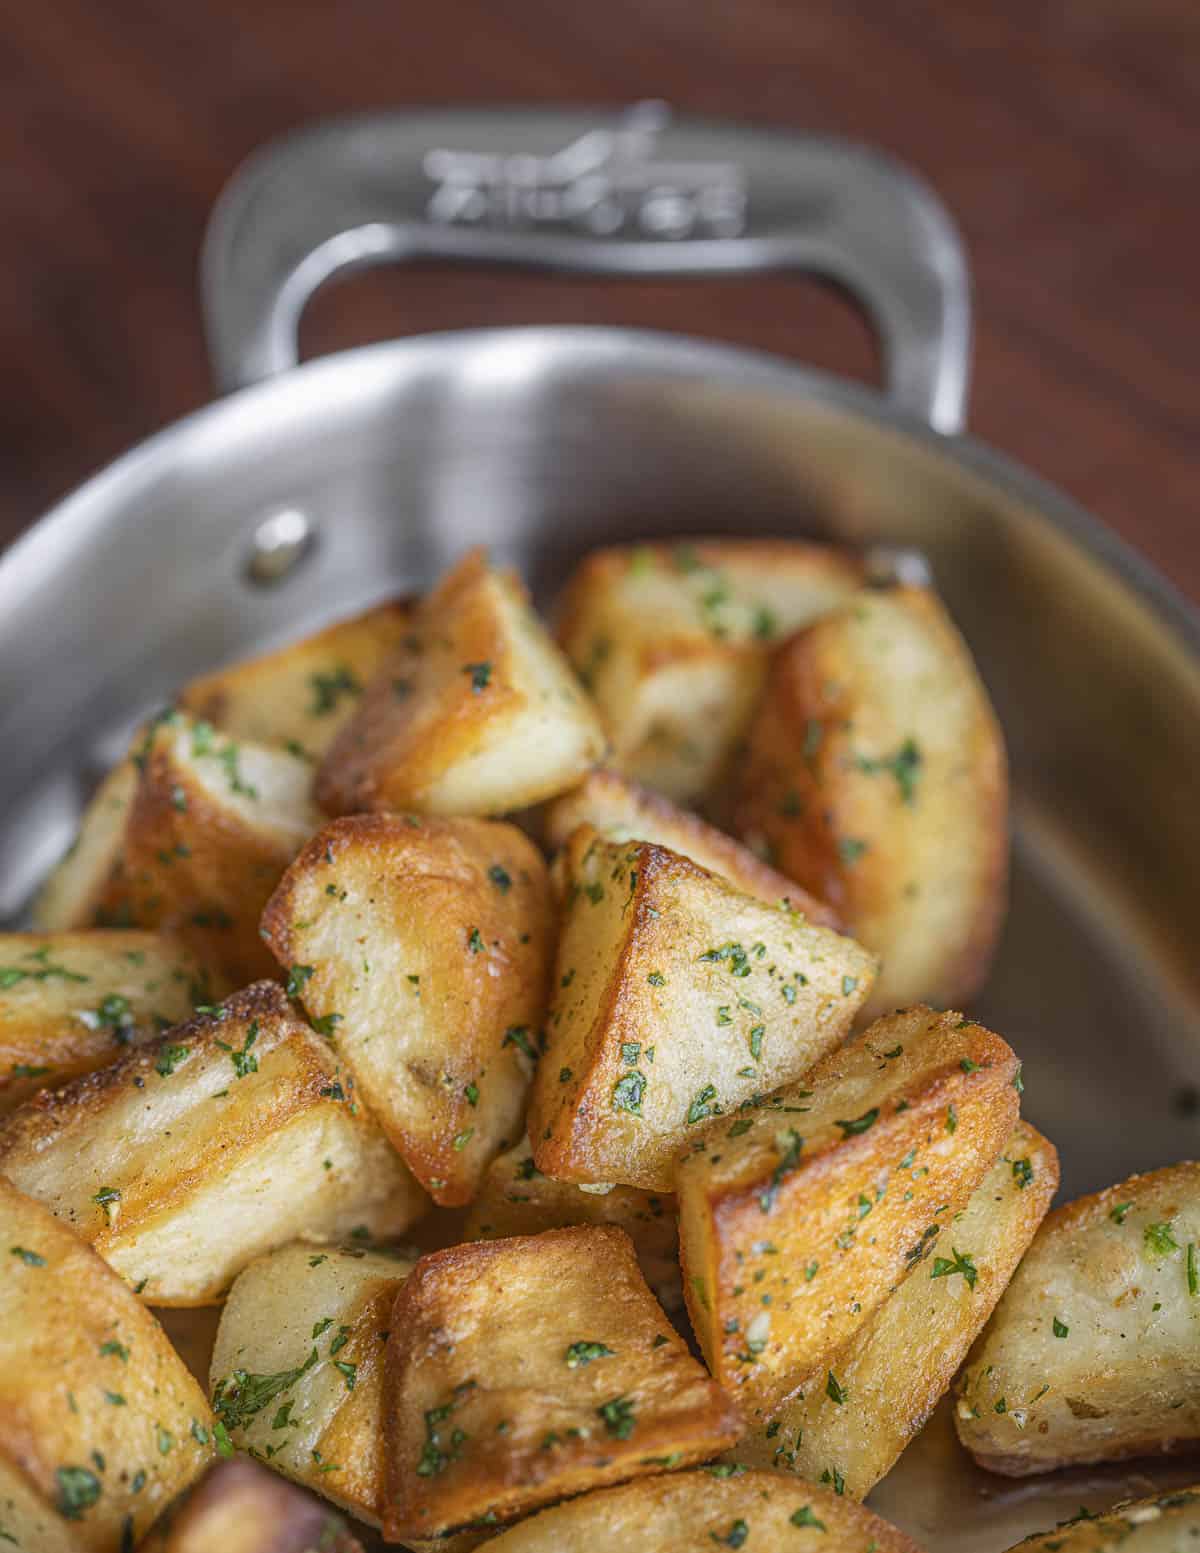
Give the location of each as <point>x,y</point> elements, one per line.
<point>620,965</point>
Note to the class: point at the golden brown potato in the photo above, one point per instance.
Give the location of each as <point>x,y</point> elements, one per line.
<point>515,1198</point>
<point>238,1507</point>
<point>675,998</point>
<point>889,1376</point>
<point>1093,1352</point>
<point>521,1371</point>
<point>622,811</point>
<point>825,1195</point>
<point>1165,1523</point>
<point>673,642</point>
<point>684,1512</point>
<point>876,777</point>
<point>71,1002</point>
<point>74,894</point>
<point>297,1367</point>
<point>301,695</point>
<point>477,713</point>
<point>100,1424</point>
<point>424,946</point>
<point>226,1137</point>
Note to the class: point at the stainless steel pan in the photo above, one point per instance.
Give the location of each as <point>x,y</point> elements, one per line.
<point>313,490</point>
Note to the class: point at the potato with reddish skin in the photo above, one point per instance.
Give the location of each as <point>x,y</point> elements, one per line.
<point>622,811</point>
<point>239,1507</point>
<point>675,998</point>
<point>300,696</point>
<point>1094,1350</point>
<point>892,1372</point>
<point>72,1002</point>
<point>522,1371</point>
<point>827,1194</point>
<point>673,641</point>
<point>100,1423</point>
<point>876,777</point>
<point>424,946</point>
<point>477,713</point>
<point>226,1137</point>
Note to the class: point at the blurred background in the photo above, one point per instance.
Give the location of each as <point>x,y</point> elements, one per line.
<point>1063,134</point>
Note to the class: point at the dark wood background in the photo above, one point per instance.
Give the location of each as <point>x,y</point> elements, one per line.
<point>1065,136</point>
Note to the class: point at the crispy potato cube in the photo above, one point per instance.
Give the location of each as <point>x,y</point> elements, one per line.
<point>425,946</point>
<point>71,1002</point>
<point>297,1367</point>
<point>1165,1523</point>
<point>676,997</point>
<point>1092,1353</point>
<point>674,641</point>
<point>892,1372</point>
<point>100,1423</point>
<point>515,1198</point>
<point>524,1370</point>
<point>477,713</point>
<point>876,777</point>
<point>683,1512</point>
<point>74,894</point>
<point>226,1137</point>
<point>622,811</point>
<point>824,1196</point>
<point>238,1507</point>
<point>301,695</point>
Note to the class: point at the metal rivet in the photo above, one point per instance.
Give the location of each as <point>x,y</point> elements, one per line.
<point>280,543</point>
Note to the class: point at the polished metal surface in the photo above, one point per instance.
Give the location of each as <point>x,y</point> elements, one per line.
<point>370,472</point>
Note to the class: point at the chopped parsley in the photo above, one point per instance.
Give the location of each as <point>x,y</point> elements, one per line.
<point>30,1258</point>
<point>328,689</point>
<point>501,878</point>
<point>835,1391</point>
<point>78,1490</point>
<point>618,1417</point>
<point>860,1124</point>
<point>702,1106</point>
<point>1059,1328</point>
<point>297,976</point>
<point>1022,1172</point>
<point>1159,1239</point>
<point>241,1395</point>
<point>518,1036</point>
<point>480,674</point>
<point>904,766</point>
<point>629,1091</point>
<point>735,1537</point>
<point>169,1058</point>
<point>957,1262</point>
<point>579,1354</point>
<point>804,1517</point>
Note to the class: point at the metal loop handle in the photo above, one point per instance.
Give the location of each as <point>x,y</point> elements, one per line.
<point>626,193</point>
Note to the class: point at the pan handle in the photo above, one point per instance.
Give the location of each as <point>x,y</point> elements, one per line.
<point>632,193</point>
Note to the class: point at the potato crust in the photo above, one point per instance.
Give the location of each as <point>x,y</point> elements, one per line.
<point>238,1507</point>
<point>1164,1523</point>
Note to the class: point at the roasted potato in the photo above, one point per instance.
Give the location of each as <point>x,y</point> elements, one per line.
<point>228,1136</point>
<point>477,713</point>
<point>301,695</point>
<point>70,1002</point>
<point>823,1197</point>
<point>100,1423</point>
<point>521,1371</point>
<point>297,1367</point>
<point>1093,1353</point>
<point>74,895</point>
<point>684,1512</point>
<point>876,777</point>
<point>889,1376</point>
<point>673,642</point>
<point>622,811</point>
<point>424,945</point>
<point>515,1198</point>
<point>238,1507</point>
<point>675,998</point>
<point>1165,1523</point>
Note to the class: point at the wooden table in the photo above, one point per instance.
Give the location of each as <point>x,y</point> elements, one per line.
<point>1065,135</point>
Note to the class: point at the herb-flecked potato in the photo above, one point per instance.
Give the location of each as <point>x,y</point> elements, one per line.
<point>228,1136</point>
<point>1165,1523</point>
<point>1093,1353</point>
<point>71,1002</point>
<point>521,1371</point>
<point>888,1378</point>
<point>622,811</point>
<point>301,695</point>
<point>673,642</point>
<point>515,1198</point>
<point>676,997</point>
<point>238,1507</point>
<point>876,777</point>
<point>826,1195</point>
<point>297,1368</point>
<point>477,713</point>
<point>100,1423</point>
<point>75,892</point>
<point>423,946</point>
<point>685,1512</point>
